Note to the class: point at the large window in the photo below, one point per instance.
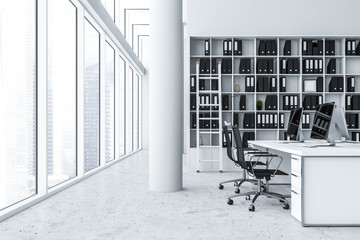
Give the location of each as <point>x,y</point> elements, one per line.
<point>17,101</point>
<point>120,107</point>
<point>136,113</point>
<point>61,105</point>
<point>129,110</point>
<point>91,97</point>
<point>109,103</point>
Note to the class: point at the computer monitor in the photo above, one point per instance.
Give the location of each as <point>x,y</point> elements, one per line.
<point>329,123</point>
<point>294,128</point>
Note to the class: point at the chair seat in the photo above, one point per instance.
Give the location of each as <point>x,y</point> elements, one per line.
<point>248,163</point>
<point>266,173</point>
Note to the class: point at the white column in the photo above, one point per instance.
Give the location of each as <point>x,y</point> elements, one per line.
<point>166,96</point>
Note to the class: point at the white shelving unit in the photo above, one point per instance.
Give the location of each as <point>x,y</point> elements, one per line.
<point>346,66</point>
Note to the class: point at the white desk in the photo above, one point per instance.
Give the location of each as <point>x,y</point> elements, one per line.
<point>325,182</point>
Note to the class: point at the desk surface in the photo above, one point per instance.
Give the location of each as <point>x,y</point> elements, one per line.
<point>308,148</point>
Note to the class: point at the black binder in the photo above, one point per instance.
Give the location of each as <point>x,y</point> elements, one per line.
<point>192,102</point>
<point>193,121</point>
<point>246,121</point>
<point>348,47</point>
<point>242,66</point>
<point>331,67</point>
<point>333,87</point>
<point>310,47</point>
<point>290,66</point>
<point>281,120</point>
<point>260,84</point>
<point>282,84</point>
<point>214,66</point>
<point>201,84</point>
<point>296,66</point>
<point>274,102</point>
<point>286,102</point>
<point>252,83</point>
<point>358,49</point>
<point>215,124</point>
<point>262,47</point>
<point>320,66</point>
<point>268,47</point>
<point>319,84</point>
<point>268,102</point>
<point>348,102</point>
<point>332,47</point>
<point>248,65</point>
<point>270,66</point>
<point>207,65</point>
<point>214,84</point>
<point>229,65</point>
<point>350,84</point>
<point>276,120</point>
<point>224,67</point>
<point>242,102</point>
<point>327,47</point>
<point>247,84</point>
<point>225,102</point>
<point>230,51</point>
<point>252,120</point>
<point>287,47</point>
<point>321,47</point>
<point>304,48</point>
<point>225,48</point>
<point>207,47</point>
<point>258,120</point>
<point>266,86</point>
<point>355,105</point>
<point>283,66</point>
<point>273,47</point>
<point>237,47</point>
<point>315,48</point>
<point>273,84</point>
<point>202,66</point>
<point>236,119</point>
<point>340,84</point>
<point>192,83</point>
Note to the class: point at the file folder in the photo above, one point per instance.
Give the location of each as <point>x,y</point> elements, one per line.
<point>270,66</point>
<point>252,120</point>
<point>268,47</point>
<point>258,121</point>
<point>353,47</point>
<point>252,84</point>
<point>192,102</point>
<point>225,102</point>
<point>229,48</point>
<point>202,66</point>
<point>215,124</point>
<point>262,47</point>
<point>320,66</point>
<point>214,84</point>
<point>193,121</point>
<point>286,102</point>
<point>248,65</point>
<point>247,84</point>
<point>207,65</point>
<point>321,47</point>
<point>296,66</point>
<point>333,84</point>
<point>281,120</point>
<point>358,49</point>
<point>225,48</point>
<point>236,119</point>
<point>273,47</point>
<point>283,66</point>
<point>266,86</point>
<point>268,102</point>
<point>273,84</point>
<point>271,120</point>
<point>319,84</point>
<point>260,84</point>
<point>246,121</point>
<point>275,120</point>
<point>242,102</point>
<point>267,121</point>
<point>201,84</point>
<point>214,66</point>
<point>348,102</point>
<point>340,84</point>
<point>348,47</point>
<point>237,47</point>
<point>331,67</point>
<point>282,84</point>
<point>304,48</point>
<point>290,66</point>
<point>350,84</point>
<point>229,65</point>
<point>242,67</point>
<point>263,121</point>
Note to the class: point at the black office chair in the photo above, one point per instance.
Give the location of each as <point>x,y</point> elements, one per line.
<point>237,182</point>
<point>258,174</point>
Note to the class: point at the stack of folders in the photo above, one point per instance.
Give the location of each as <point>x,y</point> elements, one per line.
<point>226,66</point>
<point>249,120</point>
<point>306,120</point>
<point>246,137</point>
<point>204,65</point>
<point>329,47</point>
<point>193,120</point>
<point>331,67</point>
<point>289,66</point>
<point>269,120</point>
<point>287,48</point>
<point>204,99</point>
<point>204,123</point>
<point>265,66</point>
<point>336,84</point>
<point>352,120</point>
<point>227,47</point>
<point>207,47</point>
<point>226,102</point>
<point>245,66</point>
<point>282,83</point>
<point>267,47</point>
<point>313,66</point>
<point>192,102</point>
<point>242,103</point>
<point>350,85</point>
<point>192,83</point>
<point>311,101</point>
<point>249,84</point>
<point>352,102</point>
<point>271,102</point>
<point>312,47</point>
<point>355,136</point>
<point>290,102</point>
<point>266,84</point>
<point>224,139</point>
<point>351,48</point>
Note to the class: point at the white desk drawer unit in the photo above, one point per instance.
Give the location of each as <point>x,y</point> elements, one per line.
<point>296,187</point>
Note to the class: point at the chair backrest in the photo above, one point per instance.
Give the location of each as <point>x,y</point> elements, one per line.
<point>239,148</point>
<point>228,143</point>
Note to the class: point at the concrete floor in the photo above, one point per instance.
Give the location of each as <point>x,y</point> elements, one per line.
<point>116,204</point>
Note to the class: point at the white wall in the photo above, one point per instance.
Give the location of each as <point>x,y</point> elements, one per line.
<point>272,17</point>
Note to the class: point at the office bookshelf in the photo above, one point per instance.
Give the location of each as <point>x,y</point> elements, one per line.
<point>233,84</point>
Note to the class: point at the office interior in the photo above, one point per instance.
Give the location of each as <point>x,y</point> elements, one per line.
<point>192,119</point>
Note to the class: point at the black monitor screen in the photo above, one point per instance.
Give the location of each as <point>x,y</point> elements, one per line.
<point>294,122</point>
<point>322,120</point>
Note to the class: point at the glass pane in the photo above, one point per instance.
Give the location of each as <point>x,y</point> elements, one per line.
<point>61,121</point>
<point>109,104</point>
<point>136,113</point>
<point>121,107</point>
<point>129,110</point>
<point>17,101</point>
<point>91,98</point>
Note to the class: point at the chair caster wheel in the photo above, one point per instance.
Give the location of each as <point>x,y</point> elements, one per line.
<point>235,184</point>
<point>197,171</point>
<point>221,187</point>
<point>263,188</point>
<point>237,190</point>
<point>252,208</point>
<point>230,201</point>
<point>286,206</point>
<point>247,197</point>
<point>282,200</point>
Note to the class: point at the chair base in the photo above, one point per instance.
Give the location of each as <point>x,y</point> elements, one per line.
<point>260,191</point>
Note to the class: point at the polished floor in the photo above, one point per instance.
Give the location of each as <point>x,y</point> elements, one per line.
<point>116,204</point>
